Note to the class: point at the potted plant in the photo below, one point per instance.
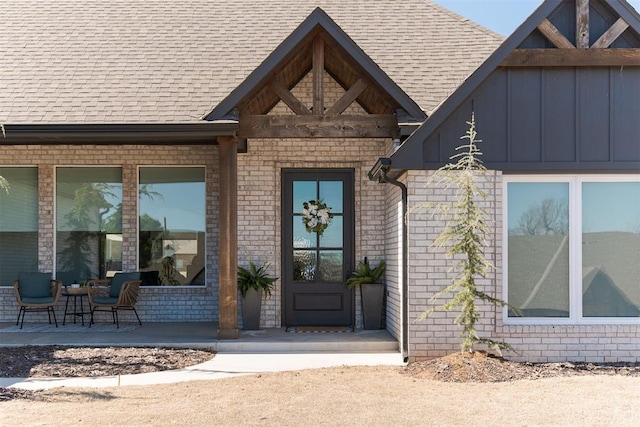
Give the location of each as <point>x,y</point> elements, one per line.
<point>253,282</point>
<point>371,292</point>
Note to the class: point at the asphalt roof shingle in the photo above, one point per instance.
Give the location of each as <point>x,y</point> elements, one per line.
<point>137,61</point>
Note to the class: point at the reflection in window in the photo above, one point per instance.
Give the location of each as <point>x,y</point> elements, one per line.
<point>610,249</point>
<point>18,223</point>
<point>605,245</point>
<point>88,222</point>
<point>304,266</point>
<point>538,249</point>
<point>330,266</point>
<point>172,225</point>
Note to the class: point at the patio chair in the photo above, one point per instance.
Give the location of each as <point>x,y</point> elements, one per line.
<point>118,293</point>
<point>36,292</point>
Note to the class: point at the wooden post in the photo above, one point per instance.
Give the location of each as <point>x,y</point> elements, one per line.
<point>582,24</point>
<point>318,76</point>
<point>228,238</point>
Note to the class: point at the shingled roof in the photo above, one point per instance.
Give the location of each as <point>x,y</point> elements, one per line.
<point>173,61</point>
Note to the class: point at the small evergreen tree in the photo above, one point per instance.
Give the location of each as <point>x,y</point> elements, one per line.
<point>463,237</point>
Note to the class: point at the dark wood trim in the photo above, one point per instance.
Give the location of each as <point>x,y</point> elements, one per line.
<point>290,99</point>
<point>228,238</point>
<point>554,35</point>
<point>582,24</point>
<point>615,31</point>
<point>349,96</point>
<point>118,133</point>
<point>318,76</point>
<point>572,58</point>
<point>334,126</point>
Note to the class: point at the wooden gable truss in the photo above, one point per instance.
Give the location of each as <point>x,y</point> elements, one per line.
<point>316,56</point>
<point>316,47</point>
<point>585,51</point>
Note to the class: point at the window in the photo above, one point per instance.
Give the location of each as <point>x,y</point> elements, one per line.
<point>573,248</point>
<point>88,222</point>
<point>172,221</point>
<point>18,223</point>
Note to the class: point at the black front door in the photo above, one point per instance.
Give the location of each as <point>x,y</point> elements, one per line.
<point>317,213</point>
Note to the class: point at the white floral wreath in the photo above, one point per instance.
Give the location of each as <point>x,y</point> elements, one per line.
<point>316,216</point>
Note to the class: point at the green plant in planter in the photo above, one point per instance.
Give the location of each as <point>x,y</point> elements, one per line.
<point>369,280</point>
<point>256,278</point>
<point>364,274</point>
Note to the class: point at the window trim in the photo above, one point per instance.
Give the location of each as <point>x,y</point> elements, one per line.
<point>206,222</point>
<point>575,249</point>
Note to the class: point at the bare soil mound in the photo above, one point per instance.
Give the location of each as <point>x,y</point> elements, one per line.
<point>482,367</point>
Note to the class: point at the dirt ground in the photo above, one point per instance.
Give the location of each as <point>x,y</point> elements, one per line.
<point>455,390</point>
<point>60,361</point>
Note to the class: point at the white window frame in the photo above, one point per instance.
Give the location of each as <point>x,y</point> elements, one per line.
<point>575,249</point>
<point>138,221</point>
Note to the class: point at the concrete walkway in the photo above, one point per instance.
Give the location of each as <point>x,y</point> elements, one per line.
<point>269,350</point>
<point>223,365</point>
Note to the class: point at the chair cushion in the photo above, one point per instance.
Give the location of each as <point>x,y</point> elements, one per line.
<point>34,285</point>
<point>43,300</point>
<point>105,300</point>
<point>118,280</point>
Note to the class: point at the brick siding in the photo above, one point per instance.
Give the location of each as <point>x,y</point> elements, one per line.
<point>437,335</point>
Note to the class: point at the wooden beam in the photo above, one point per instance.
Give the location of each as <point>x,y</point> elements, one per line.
<point>228,238</point>
<point>335,126</point>
<point>572,58</point>
<point>318,76</point>
<point>288,98</point>
<point>349,96</point>
<point>611,35</point>
<point>582,24</point>
<point>554,35</point>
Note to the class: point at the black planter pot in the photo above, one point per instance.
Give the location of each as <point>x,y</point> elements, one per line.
<point>372,299</point>
<point>251,306</point>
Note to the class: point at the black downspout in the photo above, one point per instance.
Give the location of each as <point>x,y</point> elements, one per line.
<point>405,274</point>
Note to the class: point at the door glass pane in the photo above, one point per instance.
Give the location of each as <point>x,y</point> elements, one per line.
<point>304,266</point>
<point>302,238</point>
<point>18,223</point>
<point>303,191</point>
<point>332,236</point>
<point>330,266</point>
<point>610,249</point>
<point>172,225</point>
<point>331,195</point>
<point>538,249</point>
<point>88,222</point>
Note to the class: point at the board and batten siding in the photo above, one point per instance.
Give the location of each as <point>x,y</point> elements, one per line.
<point>549,119</point>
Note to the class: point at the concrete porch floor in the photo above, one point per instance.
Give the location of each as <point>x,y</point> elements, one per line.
<point>203,335</point>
